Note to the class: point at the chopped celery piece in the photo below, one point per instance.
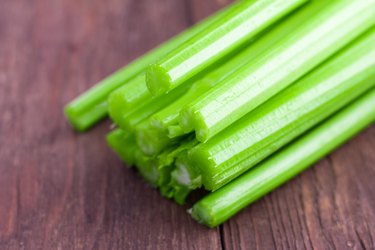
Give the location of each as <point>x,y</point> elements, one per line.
<point>127,99</point>
<point>175,131</point>
<point>293,111</point>
<point>157,169</point>
<point>219,206</point>
<point>147,167</point>
<point>123,143</point>
<point>186,176</point>
<point>317,38</point>
<point>243,22</point>
<point>182,180</point>
<point>152,140</point>
<point>131,120</point>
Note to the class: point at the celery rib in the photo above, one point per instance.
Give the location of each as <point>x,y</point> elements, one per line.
<point>243,22</point>
<point>317,38</point>
<point>219,206</point>
<point>123,143</point>
<point>168,118</point>
<point>91,106</point>
<point>287,115</point>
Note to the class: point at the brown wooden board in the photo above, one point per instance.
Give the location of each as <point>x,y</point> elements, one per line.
<point>63,190</point>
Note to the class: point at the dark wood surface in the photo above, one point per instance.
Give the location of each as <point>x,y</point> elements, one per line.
<point>62,190</point>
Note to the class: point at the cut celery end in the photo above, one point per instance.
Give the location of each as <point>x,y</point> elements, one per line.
<point>204,214</point>
<point>147,167</point>
<point>158,81</point>
<point>186,120</point>
<point>151,140</point>
<point>129,119</point>
<point>186,175</point>
<point>127,101</point>
<point>175,131</point>
<point>84,120</point>
<point>246,20</point>
<point>123,144</point>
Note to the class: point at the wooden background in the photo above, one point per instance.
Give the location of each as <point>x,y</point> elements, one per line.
<point>62,190</point>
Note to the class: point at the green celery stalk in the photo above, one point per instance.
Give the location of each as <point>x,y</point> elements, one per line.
<point>123,143</point>
<point>184,179</point>
<point>147,167</point>
<point>243,22</point>
<point>157,169</point>
<point>90,107</point>
<point>222,204</point>
<point>167,118</point>
<point>181,180</point>
<point>293,111</point>
<point>174,131</point>
<point>152,140</point>
<point>127,99</point>
<point>129,119</point>
<point>132,103</point>
<point>317,38</point>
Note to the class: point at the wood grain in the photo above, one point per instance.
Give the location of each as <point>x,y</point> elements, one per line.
<point>61,190</point>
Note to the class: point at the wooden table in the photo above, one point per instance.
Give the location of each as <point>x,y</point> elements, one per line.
<point>62,190</point>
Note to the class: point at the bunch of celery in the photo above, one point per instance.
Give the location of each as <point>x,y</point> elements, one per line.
<point>242,101</point>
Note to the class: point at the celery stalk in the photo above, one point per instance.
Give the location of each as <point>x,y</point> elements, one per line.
<point>129,119</point>
<point>222,204</point>
<point>123,143</point>
<point>290,113</point>
<point>152,141</point>
<point>90,107</point>
<point>317,38</point>
<point>247,19</point>
<point>167,118</point>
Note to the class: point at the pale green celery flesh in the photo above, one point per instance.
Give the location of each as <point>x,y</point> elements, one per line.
<point>182,180</point>
<point>127,99</point>
<point>243,22</point>
<point>175,131</point>
<point>123,144</point>
<point>147,167</point>
<point>317,38</point>
<point>186,176</point>
<point>152,140</point>
<point>157,169</point>
<point>90,107</point>
<point>168,117</point>
<point>219,206</point>
<point>129,122</point>
<point>296,109</point>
